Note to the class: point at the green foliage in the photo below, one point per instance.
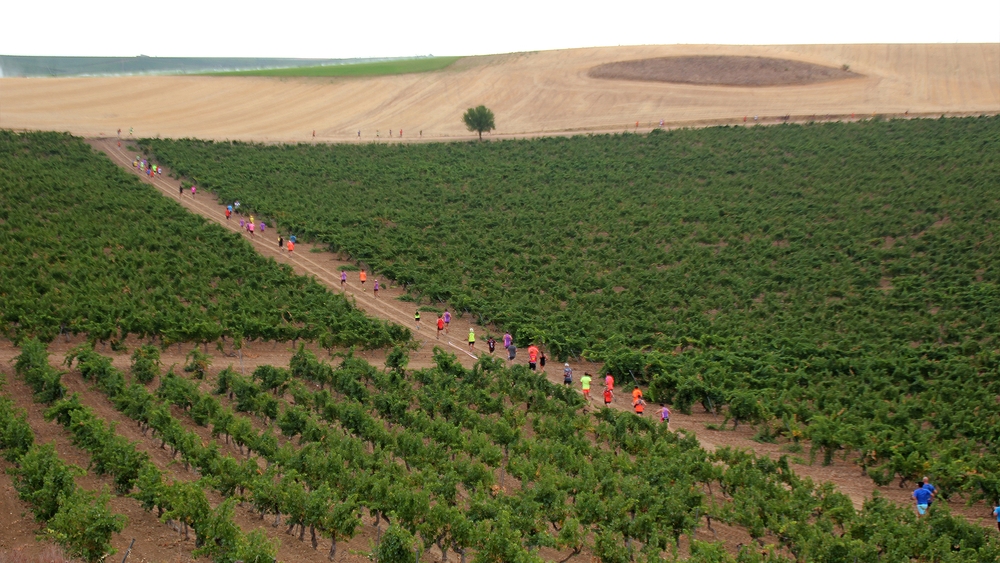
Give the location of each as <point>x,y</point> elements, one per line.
<point>43,480</point>
<point>223,541</point>
<point>16,436</point>
<point>502,543</point>
<point>198,363</point>
<point>111,454</point>
<point>84,525</point>
<point>709,552</point>
<point>33,365</point>
<point>397,359</point>
<point>90,249</point>
<point>254,546</point>
<point>145,363</point>
<point>479,119</point>
<point>397,546</point>
<point>382,68</point>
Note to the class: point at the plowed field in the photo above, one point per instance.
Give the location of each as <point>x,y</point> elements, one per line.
<point>540,93</point>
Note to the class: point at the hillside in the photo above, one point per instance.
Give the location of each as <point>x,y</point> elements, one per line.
<point>539,93</point>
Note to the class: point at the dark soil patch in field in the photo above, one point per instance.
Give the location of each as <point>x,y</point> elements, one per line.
<point>721,71</point>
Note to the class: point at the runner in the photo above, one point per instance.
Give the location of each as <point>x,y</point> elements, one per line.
<point>507,340</point>
<point>440,327</point>
<point>243,224</point>
<point>532,357</point>
<point>375,289</point>
<point>665,415</point>
<point>609,396</point>
<point>236,206</point>
<point>229,208</point>
<point>996,512</point>
<point>491,344</point>
<point>343,279</point>
<point>923,498</point>
<point>637,403</point>
<point>291,247</point>
<point>609,382</point>
<point>262,225</point>
<point>194,190</point>
<point>640,407</point>
<point>364,278</point>
<point>541,360</point>
<point>585,385</point>
<point>567,375</point>
<point>250,228</point>
<point>927,485</point>
<point>447,320</point>
<point>180,190</point>
<point>416,318</point>
<point>472,339</point>
<point>228,213</point>
<point>511,352</point>
<point>281,244</point>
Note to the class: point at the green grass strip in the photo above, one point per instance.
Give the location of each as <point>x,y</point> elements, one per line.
<point>384,68</point>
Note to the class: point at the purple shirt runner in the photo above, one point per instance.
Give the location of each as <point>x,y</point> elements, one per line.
<point>507,340</point>
<point>447,317</point>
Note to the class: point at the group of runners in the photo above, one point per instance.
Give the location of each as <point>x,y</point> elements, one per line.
<point>362,278</point>
<point>536,357</point>
<point>144,167</point>
<point>638,402</point>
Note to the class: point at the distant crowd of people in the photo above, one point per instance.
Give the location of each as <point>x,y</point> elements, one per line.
<point>144,167</point>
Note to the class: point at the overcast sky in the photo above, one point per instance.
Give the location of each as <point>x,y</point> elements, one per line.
<point>338,29</point>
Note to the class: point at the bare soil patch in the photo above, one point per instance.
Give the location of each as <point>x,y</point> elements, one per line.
<point>721,70</point>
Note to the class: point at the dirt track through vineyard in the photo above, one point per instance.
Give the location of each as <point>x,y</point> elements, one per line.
<point>324,266</point>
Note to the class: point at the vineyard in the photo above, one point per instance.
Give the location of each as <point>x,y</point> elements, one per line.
<point>490,464</point>
<point>852,309</point>
<point>832,283</point>
<point>90,250</point>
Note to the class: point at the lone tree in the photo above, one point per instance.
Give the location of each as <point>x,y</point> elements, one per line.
<point>479,119</point>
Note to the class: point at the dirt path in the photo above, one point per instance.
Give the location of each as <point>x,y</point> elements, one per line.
<point>324,266</point>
